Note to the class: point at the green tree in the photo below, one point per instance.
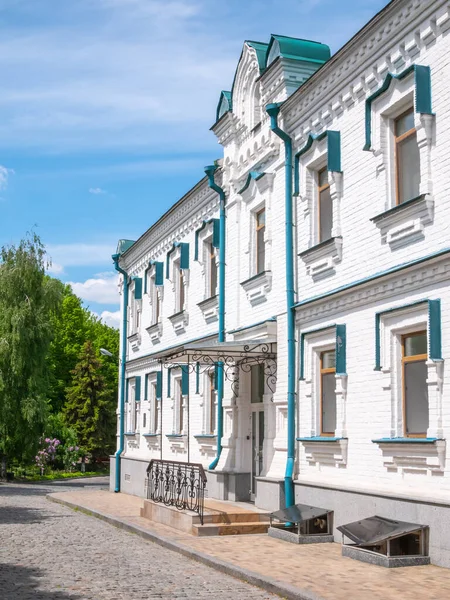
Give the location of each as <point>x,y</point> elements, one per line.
<point>28,301</point>
<point>71,327</point>
<point>90,406</point>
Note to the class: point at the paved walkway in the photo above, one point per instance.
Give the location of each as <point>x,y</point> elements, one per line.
<point>49,552</point>
<point>311,571</point>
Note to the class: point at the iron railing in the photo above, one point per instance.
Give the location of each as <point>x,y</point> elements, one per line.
<point>178,484</point>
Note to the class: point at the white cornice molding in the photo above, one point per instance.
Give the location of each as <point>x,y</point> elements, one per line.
<point>410,279</point>
<point>388,44</point>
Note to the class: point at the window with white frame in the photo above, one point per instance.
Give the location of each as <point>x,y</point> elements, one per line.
<point>180,283</point>
<point>413,376</point>
<point>179,407</point>
<point>210,402</point>
<point>260,241</point>
<point>406,156</point>
<point>325,382</point>
<point>211,269</point>
<point>155,299</point>
<point>154,419</point>
<point>324,206</point>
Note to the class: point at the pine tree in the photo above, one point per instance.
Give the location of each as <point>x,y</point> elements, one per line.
<point>90,406</point>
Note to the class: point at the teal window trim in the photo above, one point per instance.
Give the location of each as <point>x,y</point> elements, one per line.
<point>159,273</point>
<point>215,236</point>
<point>333,154</point>
<point>169,382</point>
<point>422,95</point>
<point>320,438</point>
<point>184,256</point>
<point>302,345</point>
<point>158,385</point>
<point>137,388</point>
<point>434,329</point>
<point>137,287</point>
<point>146,376</point>
<point>255,175</point>
<point>184,380</point>
<point>197,378</point>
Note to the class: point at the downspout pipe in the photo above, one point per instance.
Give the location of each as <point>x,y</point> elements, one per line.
<point>210,170</point>
<point>123,361</point>
<point>273,110</point>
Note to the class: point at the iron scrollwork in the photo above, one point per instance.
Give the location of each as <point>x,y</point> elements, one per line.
<point>177,484</point>
<point>232,363</point>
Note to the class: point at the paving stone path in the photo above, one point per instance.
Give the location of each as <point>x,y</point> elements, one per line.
<point>50,552</point>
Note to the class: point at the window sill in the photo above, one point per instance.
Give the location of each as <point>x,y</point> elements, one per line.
<point>404,224</point>
<point>155,332</point>
<point>325,451</point>
<point>130,433</point>
<point>257,287</point>
<point>207,444</point>
<point>179,321</point>
<point>175,435</point>
<point>201,436</point>
<point>135,341</point>
<point>321,260</point>
<point>209,308</point>
<point>150,435</point>
<point>407,440</point>
<point>422,456</point>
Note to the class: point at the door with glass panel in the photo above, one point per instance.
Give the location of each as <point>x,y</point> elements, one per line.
<point>257,417</point>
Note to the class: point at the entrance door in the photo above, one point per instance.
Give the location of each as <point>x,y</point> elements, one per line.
<point>257,409</point>
<point>257,447</point>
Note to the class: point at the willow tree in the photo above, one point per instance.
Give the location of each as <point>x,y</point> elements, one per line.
<point>28,300</point>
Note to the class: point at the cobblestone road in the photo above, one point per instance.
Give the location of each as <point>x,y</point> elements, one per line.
<point>49,552</point>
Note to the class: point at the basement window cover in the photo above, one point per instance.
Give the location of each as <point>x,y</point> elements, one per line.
<point>386,536</point>
<point>304,519</point>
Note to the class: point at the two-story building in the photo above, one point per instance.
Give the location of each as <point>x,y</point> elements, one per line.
<point>287,322</point>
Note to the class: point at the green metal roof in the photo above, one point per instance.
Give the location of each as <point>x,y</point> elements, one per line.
<point>296,48</point>
<point>261,50</point>
<point>123,246</point>
<point>225,104</point>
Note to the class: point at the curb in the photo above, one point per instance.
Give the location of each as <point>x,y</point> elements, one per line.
<point>268,584</point>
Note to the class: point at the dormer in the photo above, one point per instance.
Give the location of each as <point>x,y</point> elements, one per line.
<point>289,63</point>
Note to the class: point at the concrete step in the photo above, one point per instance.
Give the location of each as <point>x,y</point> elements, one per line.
<point>228,518</point>
<point>242,528</point>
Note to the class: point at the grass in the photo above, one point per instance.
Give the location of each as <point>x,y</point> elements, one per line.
<point>32,474</point>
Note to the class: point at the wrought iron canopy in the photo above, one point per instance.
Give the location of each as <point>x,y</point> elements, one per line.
<point>232,357</point>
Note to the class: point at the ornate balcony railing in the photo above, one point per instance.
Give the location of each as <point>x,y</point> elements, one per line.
<point>178,484</point>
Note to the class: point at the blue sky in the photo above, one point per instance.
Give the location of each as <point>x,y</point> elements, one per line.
<point>106,107</point>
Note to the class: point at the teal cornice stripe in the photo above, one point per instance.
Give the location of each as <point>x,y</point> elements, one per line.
<point>422,96</point>
<point>159,273</point>
<point>374,277</point>
<point>434,329</point>
<point>333,154</point>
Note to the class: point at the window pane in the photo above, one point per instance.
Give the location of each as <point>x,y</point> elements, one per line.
<point>261,218</point>
<point>404,123</point>
<point>213,274</point>
<point>416,397</point>
<point>260,250</point>
<point>325,215</point>
<point>329,359</point>
<point>408,169</point>
<point>180,290</point>
<point>323,177</point>
<point>416,344</point>
<point>257,383</point>
<point>328,403</point>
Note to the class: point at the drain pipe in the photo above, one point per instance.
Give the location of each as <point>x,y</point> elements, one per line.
<point>210,170</point>
<point>123,360</point>
<point>273,110</point>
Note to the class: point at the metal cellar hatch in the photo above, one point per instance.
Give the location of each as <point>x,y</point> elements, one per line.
<point>386,542</point>
<point>302,524</point>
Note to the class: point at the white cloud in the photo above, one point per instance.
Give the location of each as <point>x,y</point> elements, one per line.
<point>111,318</point>
<point>4,176</point>
<point>96,191</point>
<point>55,269</point>
<point>77,255</point>
<point>103,290</point>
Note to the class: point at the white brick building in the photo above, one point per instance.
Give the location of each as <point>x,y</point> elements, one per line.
<point>369,414</point>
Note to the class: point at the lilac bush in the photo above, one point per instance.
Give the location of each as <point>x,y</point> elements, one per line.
<point>47,453</point>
